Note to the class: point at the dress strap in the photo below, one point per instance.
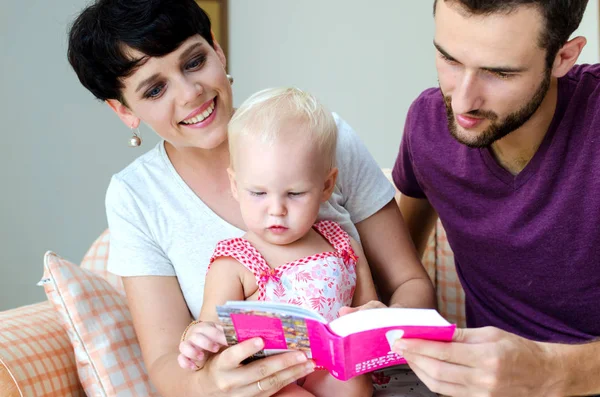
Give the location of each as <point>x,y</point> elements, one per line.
<point>244,252</point>
<point>339,239</point>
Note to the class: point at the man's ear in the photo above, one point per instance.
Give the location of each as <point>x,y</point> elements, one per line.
<point>329,184</point>
<point>124,113</point>
<point>232,183</point>
<point>567,56</point>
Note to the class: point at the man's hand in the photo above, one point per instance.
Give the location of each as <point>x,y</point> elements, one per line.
<point>485,362</point>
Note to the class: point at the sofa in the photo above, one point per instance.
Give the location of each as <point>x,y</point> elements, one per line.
<point>37,357</point>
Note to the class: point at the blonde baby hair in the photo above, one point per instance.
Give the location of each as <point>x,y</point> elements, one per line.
<point>263,114</point>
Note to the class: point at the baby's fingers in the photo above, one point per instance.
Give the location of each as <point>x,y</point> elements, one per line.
<point>191,351</point>
<point>203,342</point>
<point>186,363</point>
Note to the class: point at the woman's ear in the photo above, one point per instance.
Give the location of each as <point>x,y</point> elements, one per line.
<point>220,53</point>
<point>124,113</point>
<point>567,56</point>
<point>329,184</point>
<point>232,183</point>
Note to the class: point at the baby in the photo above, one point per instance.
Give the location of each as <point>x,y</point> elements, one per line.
<point>282,144</point>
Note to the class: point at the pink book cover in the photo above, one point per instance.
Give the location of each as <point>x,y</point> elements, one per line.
<point>348,346</point>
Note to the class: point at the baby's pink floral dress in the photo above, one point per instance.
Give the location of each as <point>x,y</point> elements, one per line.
<point>322,282</point>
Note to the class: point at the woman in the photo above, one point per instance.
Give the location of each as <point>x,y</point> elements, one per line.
<point>156,61</point>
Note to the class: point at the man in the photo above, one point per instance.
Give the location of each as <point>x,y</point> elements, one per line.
<point>507,153</point>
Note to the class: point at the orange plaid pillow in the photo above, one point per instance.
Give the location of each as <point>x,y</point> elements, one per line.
<point>99,325</point>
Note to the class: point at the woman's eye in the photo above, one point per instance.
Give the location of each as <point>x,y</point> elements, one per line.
<point>195,63</point>
<point>154,92</point>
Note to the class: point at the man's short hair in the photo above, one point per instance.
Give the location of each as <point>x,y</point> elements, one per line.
<point>562,18</point>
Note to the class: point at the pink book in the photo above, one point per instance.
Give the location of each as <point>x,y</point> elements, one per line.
<point>348,346</point>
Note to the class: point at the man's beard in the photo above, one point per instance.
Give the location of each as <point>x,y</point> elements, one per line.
<point>498,130</point>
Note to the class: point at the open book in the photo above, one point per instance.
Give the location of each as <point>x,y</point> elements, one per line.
<point>348,346</point>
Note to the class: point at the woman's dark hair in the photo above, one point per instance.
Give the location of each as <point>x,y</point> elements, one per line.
<point>561,17</point>
<point>101,34</point>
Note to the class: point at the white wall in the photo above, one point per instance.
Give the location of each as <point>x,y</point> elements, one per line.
<point>367,60</point>
<point>589,29</point>
<point>363,59</point>
<point>60,146</point>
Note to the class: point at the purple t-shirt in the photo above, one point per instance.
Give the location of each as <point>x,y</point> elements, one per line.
<point>526,247</point>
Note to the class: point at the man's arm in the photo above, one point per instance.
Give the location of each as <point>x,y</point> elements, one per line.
<point>581,366</point>
<point>420,218</point>
<point>491,362</point>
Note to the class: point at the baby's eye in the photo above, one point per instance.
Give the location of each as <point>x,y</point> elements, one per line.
<point>296,194</point>
<point>257,193</point>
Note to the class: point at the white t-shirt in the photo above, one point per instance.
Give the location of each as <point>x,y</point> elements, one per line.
<point>160,227</point>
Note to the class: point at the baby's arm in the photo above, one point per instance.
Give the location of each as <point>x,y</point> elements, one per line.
<point>365,288</point>
<point>223,283</point>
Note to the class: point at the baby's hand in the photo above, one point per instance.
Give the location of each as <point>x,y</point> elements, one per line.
<point>201,340</point>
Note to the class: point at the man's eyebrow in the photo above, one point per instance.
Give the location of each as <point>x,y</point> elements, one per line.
<point>443,52</point>
<point>147,81</point>
<point>493,69</point>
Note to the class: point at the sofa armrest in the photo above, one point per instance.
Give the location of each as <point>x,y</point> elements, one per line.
<point>36,356</point>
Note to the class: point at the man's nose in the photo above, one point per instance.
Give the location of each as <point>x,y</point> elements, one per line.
<point>468,94</point>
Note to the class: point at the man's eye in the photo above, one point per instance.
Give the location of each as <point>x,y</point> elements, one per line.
<point>502,75</point>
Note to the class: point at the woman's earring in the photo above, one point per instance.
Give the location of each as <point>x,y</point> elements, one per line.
<point>230,78</point>
<point>135,140</point>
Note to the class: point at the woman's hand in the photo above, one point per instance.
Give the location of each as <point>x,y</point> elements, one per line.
<point>263,377</point>
<point>369,305</point>
<point>200,341</point>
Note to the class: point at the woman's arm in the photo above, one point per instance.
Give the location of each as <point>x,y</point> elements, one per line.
<point>369,198</point>
<point>160,316</point>
<point>365,288</point>
<point>420,219</point>
<point>401,278</point>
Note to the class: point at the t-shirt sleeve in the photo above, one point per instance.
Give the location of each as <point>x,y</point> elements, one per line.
<point>133,250</point>
<point>403,173</point>
<point>363,185</point>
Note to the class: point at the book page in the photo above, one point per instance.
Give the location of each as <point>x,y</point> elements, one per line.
<point>365,320</point>
<point>276,308</point>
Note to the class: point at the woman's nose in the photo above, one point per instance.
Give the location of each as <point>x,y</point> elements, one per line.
<point>190,91</point>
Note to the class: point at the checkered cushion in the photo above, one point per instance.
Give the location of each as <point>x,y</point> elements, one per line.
<point>450,294</point>
<point>96,258</point>
<point>37,353</point>
<point>99,325</point>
